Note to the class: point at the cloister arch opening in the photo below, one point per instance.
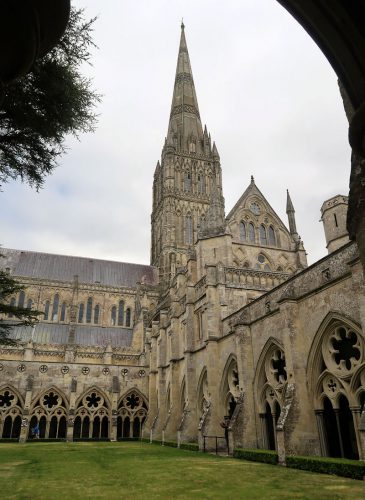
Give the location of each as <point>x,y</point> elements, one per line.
<point>336,377</point>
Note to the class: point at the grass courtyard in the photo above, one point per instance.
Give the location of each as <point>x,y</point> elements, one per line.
<point>140,471</point>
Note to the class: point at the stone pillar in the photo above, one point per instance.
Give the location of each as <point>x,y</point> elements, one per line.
<point>26,416</point>
<point>321,432</point>
<point>356,416</point>
<point>71,418</point>
<point>247,436</point>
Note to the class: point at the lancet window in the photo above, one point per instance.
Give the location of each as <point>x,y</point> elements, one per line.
<point>251,233</point>
<point>55,308</point>
<point>89,309</point>
<point>242,231</point>
<point>188,230</point>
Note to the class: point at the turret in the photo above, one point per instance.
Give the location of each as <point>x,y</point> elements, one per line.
<point>334,213</point>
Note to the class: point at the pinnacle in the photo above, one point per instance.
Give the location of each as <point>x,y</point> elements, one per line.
<point>289,203</point>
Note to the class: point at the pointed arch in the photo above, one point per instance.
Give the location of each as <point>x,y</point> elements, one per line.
<point>331,320</point>
<point>132,413</point>
<point>15,391</point>
<point>51,389</point>
<point>94,388</point>
<point>229,386</point>
<point>203,390</point>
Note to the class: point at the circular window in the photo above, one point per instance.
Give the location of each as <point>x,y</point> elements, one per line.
<point>261,259</point>
<point>255,209</point>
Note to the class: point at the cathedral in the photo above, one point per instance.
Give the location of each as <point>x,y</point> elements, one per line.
<point>228,326</point>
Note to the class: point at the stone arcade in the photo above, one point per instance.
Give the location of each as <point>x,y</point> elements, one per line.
<point>227,321</point>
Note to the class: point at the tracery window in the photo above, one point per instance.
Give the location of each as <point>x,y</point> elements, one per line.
<point>80,318</point>
<point>132,412</point>
<point>49,413</point>
<point>89,308</point>
<point>262,263</point>
<point>121,313</point>
<point>96,314</point>
<point>10,414</point>
<point>271,385</point>
<point>231,388</point>
<point>188,230</point>
<point>338,381</point>
<point>251,233</point>
<point>242,231</point>
<point>128,317</point>
<point>55,308</point>
<point>63,312</point>
<point>263,237</point>
<point>21,299</point>
<point>92,416</point>
<point>46,310</point>
<point>113,316</point>
<point>272,237</point>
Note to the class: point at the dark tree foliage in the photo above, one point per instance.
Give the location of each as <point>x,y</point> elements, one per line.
<point>40,109</point>
<point>12,316</point>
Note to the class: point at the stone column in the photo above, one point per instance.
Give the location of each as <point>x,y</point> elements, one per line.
<point>247,435</point>
<point>26,416</point>
<point>321,432</point>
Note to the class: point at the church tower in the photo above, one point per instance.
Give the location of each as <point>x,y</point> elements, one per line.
<point>186,178</point>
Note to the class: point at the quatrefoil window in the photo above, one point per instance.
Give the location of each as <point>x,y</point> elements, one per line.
<point>93,400</point>
<point>346,352</point>
<point>278,366</point>
<point>50,400</point>
<point>132,401</point>
<point>6,399</point>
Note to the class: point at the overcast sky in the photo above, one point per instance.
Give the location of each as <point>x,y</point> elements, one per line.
<point>267,94</point>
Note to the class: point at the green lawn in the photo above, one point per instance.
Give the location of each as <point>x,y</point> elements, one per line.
<point>142,471</point>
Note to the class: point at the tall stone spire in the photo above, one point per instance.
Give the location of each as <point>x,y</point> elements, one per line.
<point>291,216</point>
<point>188,181</point>
<point>185,130</point>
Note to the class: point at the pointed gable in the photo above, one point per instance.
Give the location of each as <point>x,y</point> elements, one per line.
<point>253,208</point>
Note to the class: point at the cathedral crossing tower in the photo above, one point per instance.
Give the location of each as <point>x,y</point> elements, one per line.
<point>186,178</point>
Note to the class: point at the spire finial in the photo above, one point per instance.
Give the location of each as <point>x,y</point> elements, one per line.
<point>182,23</point>
<point>252,180</point>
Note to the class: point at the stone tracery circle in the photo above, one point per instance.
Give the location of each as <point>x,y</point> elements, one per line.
<point>342,350</point>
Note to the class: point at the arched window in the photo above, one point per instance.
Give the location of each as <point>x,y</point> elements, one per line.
<point>201,183</point>
<point>46,310</point>
<point>80,318</point>
<point>242,231</point>
<point>121,313</point>
<point>188,230</point>
<point>272,238</point>
<point>251,233</point>
<point>21,299</point>
<point>114,315</point>
<point>63,312</point>
<point>187,182</point>
<point>263,237</point>
<point>128,317</point>
<point>55,307</point>
<point>89,308</point>
<point>29,304</point>
<point>12,304</point>
<point>96,314</point>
